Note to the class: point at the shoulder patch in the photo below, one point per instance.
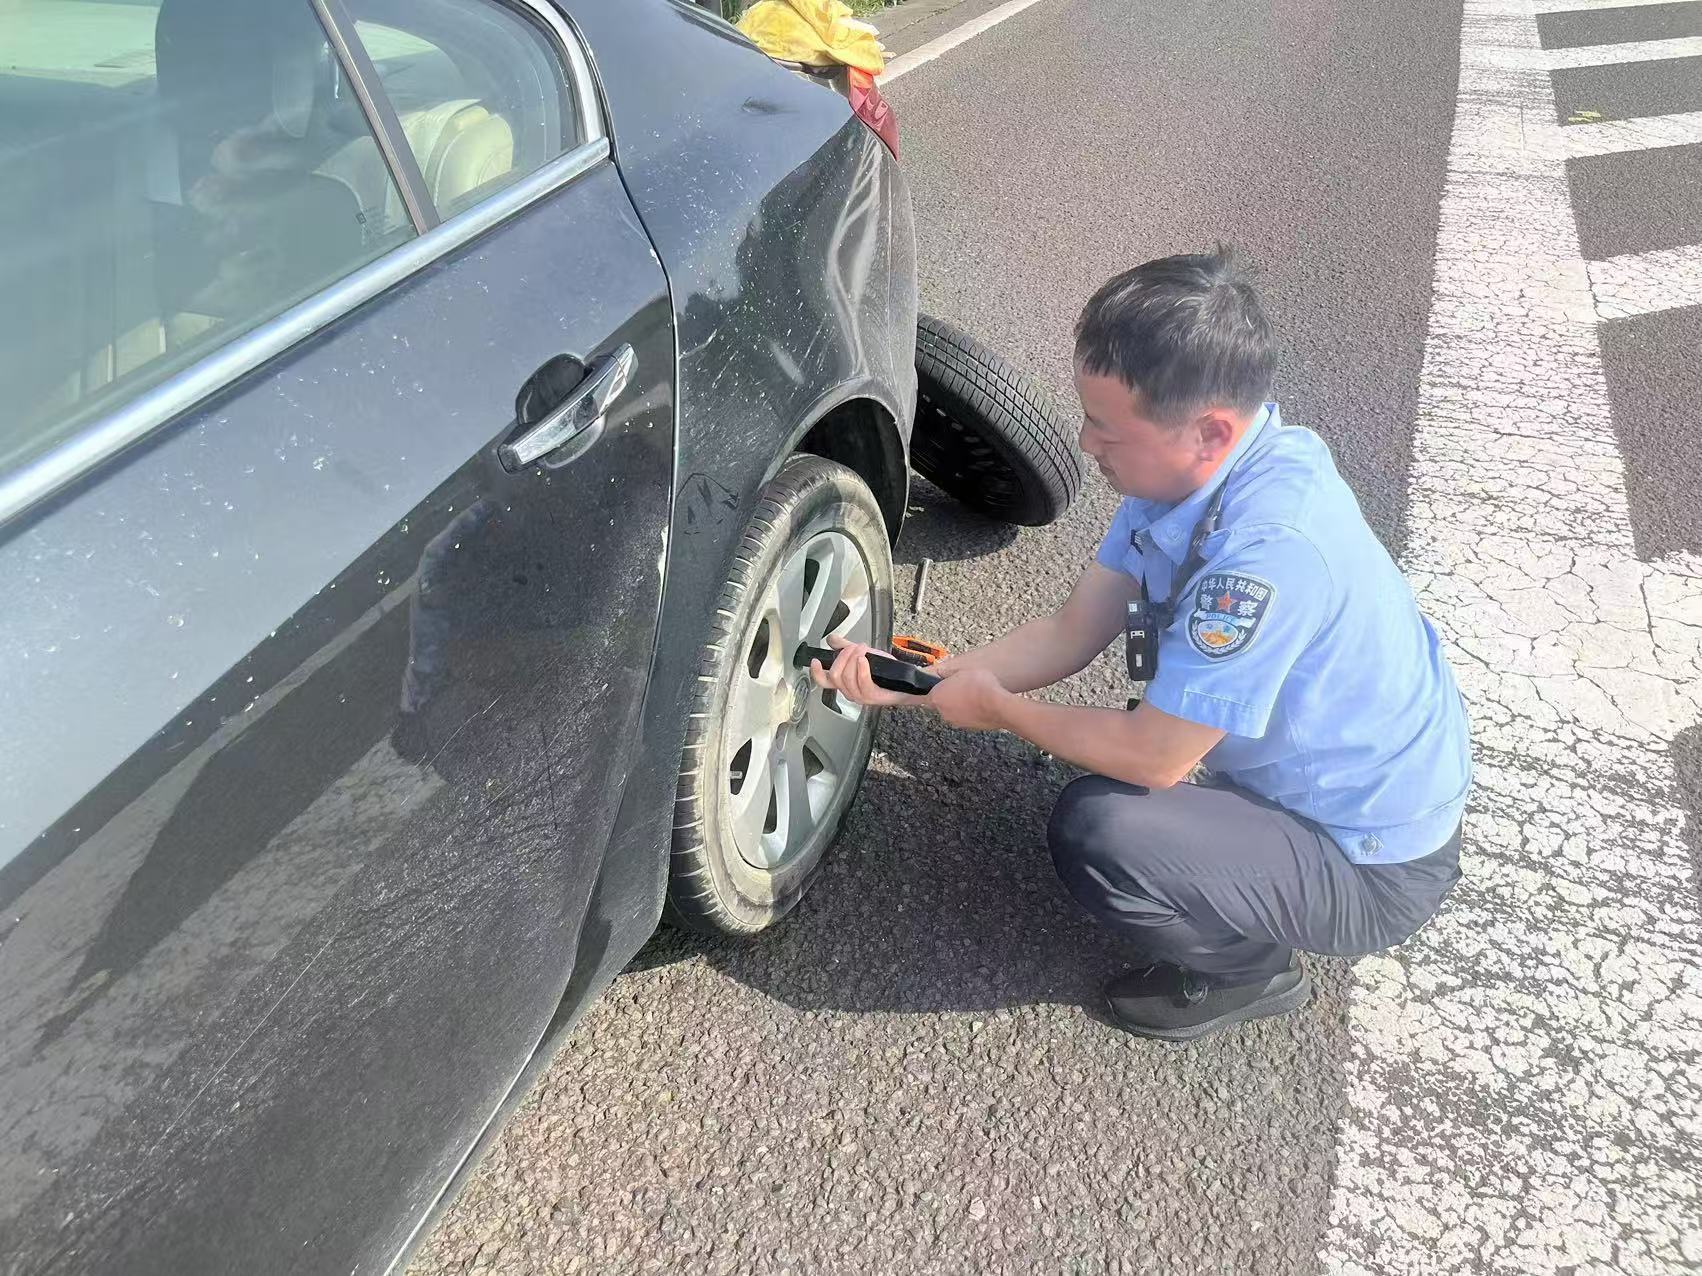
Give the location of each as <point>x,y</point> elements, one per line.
<point>1227,611</point>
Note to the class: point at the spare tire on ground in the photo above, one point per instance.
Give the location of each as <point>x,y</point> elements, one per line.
<point>989,434</point>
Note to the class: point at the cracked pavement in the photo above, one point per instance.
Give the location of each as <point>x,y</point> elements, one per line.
<point>1523,1078</point>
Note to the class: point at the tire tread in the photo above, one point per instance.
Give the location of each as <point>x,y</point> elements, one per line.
<point>954,367</point>
<point>693,901</point>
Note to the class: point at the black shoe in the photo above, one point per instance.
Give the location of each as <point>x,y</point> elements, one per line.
<point>1173,1004</point>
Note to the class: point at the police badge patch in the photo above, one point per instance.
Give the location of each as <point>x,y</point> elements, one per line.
<point>1227,610</point>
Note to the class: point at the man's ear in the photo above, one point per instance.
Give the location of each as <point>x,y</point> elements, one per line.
<point>1217,429</point>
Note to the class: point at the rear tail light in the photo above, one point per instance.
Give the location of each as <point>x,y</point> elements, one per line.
<point>873,109</point>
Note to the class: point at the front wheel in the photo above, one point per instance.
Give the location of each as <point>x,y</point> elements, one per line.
<point>771,762</point>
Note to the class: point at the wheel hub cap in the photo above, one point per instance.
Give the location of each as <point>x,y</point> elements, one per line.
<point>789,748</point>
<point>800,705</point>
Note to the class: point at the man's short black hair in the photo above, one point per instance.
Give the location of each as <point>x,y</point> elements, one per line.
<point>1187,332</point>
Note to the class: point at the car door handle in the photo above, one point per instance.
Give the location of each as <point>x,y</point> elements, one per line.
<point>582,410</point>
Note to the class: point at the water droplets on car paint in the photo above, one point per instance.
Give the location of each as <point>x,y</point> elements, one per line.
<point>175,621</point>
<point>318,462</point>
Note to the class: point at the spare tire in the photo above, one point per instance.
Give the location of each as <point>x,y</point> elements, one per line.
<point>988,434</point>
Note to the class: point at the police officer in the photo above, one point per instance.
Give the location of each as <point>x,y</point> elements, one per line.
<point>1291,659</point>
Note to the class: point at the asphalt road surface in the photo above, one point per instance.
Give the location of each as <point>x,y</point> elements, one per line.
<point>1486,276</point>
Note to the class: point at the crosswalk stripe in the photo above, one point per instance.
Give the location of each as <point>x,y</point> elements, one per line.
<point>1689,46</point>
<point>1642,283</point>
<point>1645,134</point>
<point>1522,1089</point>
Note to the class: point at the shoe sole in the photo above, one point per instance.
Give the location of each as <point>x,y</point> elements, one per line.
<point>1268,1008</point>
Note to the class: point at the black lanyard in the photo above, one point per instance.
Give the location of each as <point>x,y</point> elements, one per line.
<point>1165,612</point>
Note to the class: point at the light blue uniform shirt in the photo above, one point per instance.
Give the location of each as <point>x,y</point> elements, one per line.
<point>1302,640</point>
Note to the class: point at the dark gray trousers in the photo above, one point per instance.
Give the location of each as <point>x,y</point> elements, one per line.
<point>1215,879</point>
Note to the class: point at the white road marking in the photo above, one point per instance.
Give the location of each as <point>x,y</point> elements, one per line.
<point>905,63</point>
<point>1689,46</point>
<point>1645,134</point>
<point>1523,1087</point>
<point>1641,283</point>
<point>1570,6</point>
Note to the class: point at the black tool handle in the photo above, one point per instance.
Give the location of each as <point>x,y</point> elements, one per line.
<point>889,673</point>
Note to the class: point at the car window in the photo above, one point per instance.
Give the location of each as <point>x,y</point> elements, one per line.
<point>479,90</point>
<point>172,174</point>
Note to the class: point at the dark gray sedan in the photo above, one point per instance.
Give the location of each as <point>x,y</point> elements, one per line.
<point>430,429</point>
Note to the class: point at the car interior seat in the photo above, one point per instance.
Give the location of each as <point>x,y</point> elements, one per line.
<point>128,234</point>
<point>460,146</point>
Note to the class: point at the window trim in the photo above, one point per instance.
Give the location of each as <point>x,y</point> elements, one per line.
<point>380,114</point>
<point>66,462</point>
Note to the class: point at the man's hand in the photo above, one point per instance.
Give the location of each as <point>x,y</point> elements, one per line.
<point>970,700</point>
<point>852,678</point>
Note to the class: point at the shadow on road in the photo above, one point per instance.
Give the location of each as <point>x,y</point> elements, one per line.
<point>939,895</point>
<point>937,527</point>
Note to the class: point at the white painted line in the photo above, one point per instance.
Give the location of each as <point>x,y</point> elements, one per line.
<point>905,63</point>
<point>1641,283</point>
<point>1522,1089</point>
<point>1574,6</point>
<point>1645,134</point>
<point>1689,46</point>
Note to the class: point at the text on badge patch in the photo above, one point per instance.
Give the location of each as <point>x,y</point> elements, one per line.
<point>1226,614</point>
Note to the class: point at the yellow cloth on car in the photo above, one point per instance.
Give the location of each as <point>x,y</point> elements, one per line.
<point>814,32</point>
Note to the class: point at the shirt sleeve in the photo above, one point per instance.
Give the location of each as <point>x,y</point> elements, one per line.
<point>1114,550</point>
<point>1244,621</point>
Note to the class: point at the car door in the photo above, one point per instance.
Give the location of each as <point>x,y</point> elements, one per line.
<point>335,474</point>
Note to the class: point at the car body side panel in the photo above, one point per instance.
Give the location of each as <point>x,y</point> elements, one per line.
<point>785,229</point>
<point>316,726</point>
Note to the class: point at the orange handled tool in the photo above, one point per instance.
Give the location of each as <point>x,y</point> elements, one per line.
<point>918,651</point>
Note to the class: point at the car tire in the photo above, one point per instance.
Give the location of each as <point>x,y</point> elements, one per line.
<point>988,434</point>
<point>735,870</point>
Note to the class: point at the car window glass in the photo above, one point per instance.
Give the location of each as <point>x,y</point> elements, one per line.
<point>479,90</point>
<point>172,173</point>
